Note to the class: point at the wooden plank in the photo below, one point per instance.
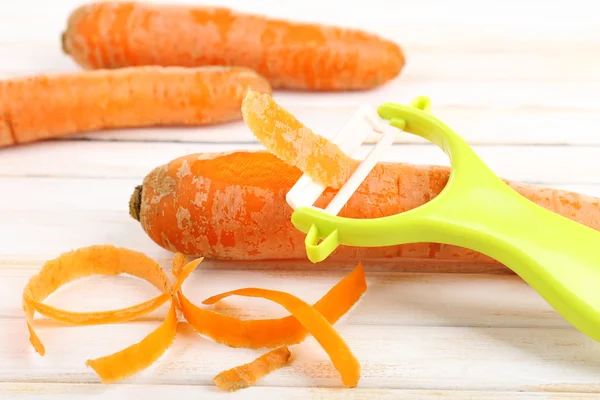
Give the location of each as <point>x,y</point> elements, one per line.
<point>83,159</point>
<point>403,299</point>
<point>478,125</point>
<point>398,357</point>
<point>533,25</point>
<point>59,391</point>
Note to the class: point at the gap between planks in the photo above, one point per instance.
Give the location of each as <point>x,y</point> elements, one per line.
<point>58,391</point>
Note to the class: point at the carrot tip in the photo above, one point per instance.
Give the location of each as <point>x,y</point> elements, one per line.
<point>135,203</point>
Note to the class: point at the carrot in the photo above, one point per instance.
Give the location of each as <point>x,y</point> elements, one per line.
<point>49,106</point>
<point>289,54</point>
<point>232,207</point>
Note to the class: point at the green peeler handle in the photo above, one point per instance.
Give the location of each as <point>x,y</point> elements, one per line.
<point>556,256</point>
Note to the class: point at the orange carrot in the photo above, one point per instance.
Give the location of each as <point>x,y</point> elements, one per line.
<point>48,106</point>
<point>232,206</point>
<point>289,54</point>
<point>246,375</point>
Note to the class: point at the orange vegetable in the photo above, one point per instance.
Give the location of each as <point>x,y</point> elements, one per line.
<point>49,106</point>
<point>289,54</point>
<point>318,326</point>
<point>246,375</point>
<point>232,206</point>
<point>105,260</point>
<point>267,332</point>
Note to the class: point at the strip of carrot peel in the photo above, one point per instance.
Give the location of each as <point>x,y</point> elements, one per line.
<point>316,324</point>
<point>110,260</point>
<point>106,260</point>
<point>269,333</point>
<point>246,375</point>
<point>95,260</point>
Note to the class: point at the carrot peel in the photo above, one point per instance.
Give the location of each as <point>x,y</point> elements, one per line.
<point>136,357</point>
<point>110,260</point>
<point>295,144</point>
<point>246,375</point>
<point>269,333</point>
<point>106,260</point>
<point>318,326</point>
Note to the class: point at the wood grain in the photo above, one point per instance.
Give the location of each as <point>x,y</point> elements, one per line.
<point>531,164</point>
<point>519,79</point>
<point>399,357</point>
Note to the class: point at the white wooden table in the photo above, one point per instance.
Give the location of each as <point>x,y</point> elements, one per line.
<point>519,79</point>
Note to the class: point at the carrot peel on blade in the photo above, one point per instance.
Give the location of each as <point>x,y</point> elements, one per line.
<point>246,375</point>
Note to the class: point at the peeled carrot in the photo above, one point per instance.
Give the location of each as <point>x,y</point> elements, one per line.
<point>49,106</point>
<point>232,206</point>
<point>289,54</point>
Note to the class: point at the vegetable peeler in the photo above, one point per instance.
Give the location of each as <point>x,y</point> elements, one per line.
<point>556,256</point>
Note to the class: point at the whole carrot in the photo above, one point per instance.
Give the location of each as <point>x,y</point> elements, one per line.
<point>289,54</point>
<point>42,106</point>
<point>232,206</point>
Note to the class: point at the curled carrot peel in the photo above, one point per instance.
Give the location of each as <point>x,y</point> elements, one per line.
<point>318,326</point>
<point>246,375</point>
<point>95,260</point>
<point>106,260</point>
<point>110,260</point>
<point>138,356</point>
<point>256,334</point>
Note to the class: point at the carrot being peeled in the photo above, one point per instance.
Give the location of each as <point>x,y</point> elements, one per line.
<point>49,106</point>
<point>292,55</point>
<point>232,207</point>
